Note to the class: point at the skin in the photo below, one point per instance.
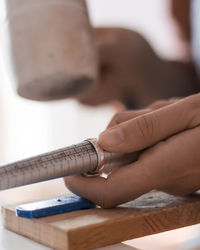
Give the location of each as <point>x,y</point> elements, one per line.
<point>166,130</point>
<point>168,135</point>
<point>131,72</point>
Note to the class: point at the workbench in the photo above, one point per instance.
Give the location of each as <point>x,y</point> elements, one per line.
<point>12,241</point>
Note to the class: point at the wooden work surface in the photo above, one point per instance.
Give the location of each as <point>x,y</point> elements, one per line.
<point>87,229</point>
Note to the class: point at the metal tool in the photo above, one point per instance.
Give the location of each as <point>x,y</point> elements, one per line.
<point>85,157</point>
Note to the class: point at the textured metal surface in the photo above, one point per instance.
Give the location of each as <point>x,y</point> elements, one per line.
<point>75,159</point>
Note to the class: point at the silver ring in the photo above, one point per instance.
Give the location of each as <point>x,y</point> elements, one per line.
<point>100,156</point>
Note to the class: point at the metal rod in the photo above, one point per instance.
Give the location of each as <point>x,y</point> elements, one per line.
<point>80,158</point>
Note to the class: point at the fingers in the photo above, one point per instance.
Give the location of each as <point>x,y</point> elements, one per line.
<point>162,103</point>
<point>184,169</point>
<point>122,185</point>
<point>184,186</point>
<point>126,183</point>
<point>147,129</point>
<point>163,166</point>
<point>126,115</point>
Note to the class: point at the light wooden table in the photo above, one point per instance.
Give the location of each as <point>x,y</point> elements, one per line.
<point>11,241</point>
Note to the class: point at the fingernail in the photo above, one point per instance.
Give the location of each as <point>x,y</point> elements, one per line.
<point>112,137</point>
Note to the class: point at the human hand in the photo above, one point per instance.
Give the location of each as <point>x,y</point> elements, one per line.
<point>170,139</point>
<point>126,59</point>
<point>132,73</point>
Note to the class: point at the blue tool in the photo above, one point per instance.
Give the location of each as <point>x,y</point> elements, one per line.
<point>53,206</point>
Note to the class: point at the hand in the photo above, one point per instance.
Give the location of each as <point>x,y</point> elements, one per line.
<point>124,56</point>
<point>170,138</point>
<point>132,73</point>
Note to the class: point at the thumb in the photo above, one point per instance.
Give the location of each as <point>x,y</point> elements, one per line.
<point>147,129</point>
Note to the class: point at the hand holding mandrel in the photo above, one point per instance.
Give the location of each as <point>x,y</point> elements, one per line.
<point>86,158</point>
<point>168,133</point>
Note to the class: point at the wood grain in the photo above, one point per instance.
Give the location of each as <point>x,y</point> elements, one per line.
<point>152,213</point>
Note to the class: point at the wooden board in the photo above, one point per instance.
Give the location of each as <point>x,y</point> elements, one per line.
<point>152,213</point>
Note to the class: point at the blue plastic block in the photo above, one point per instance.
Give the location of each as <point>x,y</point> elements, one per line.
<point>53,206</point>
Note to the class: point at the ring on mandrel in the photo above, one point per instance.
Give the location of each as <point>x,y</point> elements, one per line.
<point>100,159</point>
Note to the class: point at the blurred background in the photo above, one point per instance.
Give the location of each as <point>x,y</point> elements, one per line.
<point>28,127</point>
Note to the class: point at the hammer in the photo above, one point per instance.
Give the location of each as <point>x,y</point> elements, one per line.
<point>50,48</point>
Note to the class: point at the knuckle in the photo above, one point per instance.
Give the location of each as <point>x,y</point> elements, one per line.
<point>157,104</point>
<point>174,99</point>
<point>194,100</point>
<point>116,119</point>
<point>193,103</point>
<point>117,116</point>
<point>145,126</point>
